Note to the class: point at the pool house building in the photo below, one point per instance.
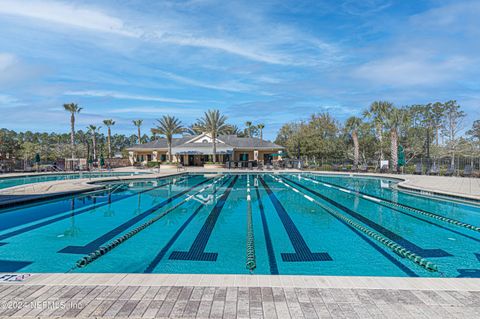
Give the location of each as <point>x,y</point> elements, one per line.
<point>198,149</point>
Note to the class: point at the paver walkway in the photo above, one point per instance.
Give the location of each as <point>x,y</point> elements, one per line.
<point>233,302</point>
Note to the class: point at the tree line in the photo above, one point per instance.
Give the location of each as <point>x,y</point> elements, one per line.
<point>92,143</point>
<point>430,130</point>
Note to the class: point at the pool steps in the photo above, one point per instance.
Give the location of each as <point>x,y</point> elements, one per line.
<point>84,261</point>
<point>398,249</point>
<point>397,205</point>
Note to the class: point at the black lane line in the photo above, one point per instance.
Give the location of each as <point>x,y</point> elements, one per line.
<point>407,214</point>
<point>302,251</point>
<point>393,236</point>
<point>384,199</point>
<point>177,234</point>
<point>68,215</point>
<point>13,265</point>
<point>272,261</point>
<point>96,243</point>
<point>197,250</point>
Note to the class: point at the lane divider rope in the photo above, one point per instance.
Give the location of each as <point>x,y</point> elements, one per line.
<point>398,205</point>
<point>251,258</point>
<point>84,261</point>
<point>398,249</point>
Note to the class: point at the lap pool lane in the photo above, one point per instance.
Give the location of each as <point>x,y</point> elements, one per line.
<point>351,253</point>
<point>148,250</point>
<point>456,248</point>
<point>41,242</point>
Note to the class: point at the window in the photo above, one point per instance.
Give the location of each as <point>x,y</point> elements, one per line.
<point>163,157</point>
<point>205,141</point>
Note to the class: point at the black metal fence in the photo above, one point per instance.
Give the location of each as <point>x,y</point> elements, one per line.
<point>460,166</point>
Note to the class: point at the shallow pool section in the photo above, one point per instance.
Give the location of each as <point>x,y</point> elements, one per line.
<point>6,182</point>
<point>256,223</point>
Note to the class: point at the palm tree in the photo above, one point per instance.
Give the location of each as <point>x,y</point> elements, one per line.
<point>93,129</point>
<point>377,113</point>
<point>232,130</point>
<point>248,124</point>
<point>108,124</point>
<point>169,126</point>
<point>351,125</point>
<point>261,126</point>
<point>73,109</point>
<point>394,120</point>
<point>213,122</point>
<point>138,123</point>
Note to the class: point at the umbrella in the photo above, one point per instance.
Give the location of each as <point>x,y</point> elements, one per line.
<point>401,156</point>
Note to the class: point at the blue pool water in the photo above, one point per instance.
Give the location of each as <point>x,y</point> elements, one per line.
<point>22,180</point>
<point>300,224</point>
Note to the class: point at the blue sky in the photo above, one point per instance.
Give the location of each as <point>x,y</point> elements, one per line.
<point>264,61</point>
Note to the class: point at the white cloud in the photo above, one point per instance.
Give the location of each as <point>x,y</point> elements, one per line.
<point>268,46</point>
<point>66,14</point>
<point>119,95</point>
<point>157,110</point>
<point>231,86</point>
<point>411,70</point>
<point>6,60</point>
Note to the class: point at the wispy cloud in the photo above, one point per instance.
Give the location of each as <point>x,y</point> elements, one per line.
<point>66,14</point>
<point>124,96</point>
<point>157,110</point>
<point>230,85</point>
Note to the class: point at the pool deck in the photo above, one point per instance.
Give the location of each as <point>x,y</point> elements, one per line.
<point>239,296</point>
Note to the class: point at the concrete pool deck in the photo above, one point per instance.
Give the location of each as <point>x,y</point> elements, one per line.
<point>238,296</point>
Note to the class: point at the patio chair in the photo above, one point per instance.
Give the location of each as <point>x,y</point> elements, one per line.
<point>259,166</point>
<point>450,171</point>
<point>250,165</point>
<point>180,167</point>
<point>434,170</point>
<point>467,171</point>
<point>239,165</point>
<point>363,168</point>
<point>384,169</point>
<point>418,169</point>
<point>335,167</point>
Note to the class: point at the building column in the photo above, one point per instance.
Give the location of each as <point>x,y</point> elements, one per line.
<point>131,157</point>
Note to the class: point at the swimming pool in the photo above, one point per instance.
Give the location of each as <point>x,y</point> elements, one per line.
<point>6,182</point>
<point>240,223</point>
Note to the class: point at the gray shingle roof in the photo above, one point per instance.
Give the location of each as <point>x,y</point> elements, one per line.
<point>231,140</point>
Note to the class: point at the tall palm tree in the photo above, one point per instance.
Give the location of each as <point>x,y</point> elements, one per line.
<point>377,113</point>
<point>351,125</point>
<point>108,124</point>
<point>394,120</point>
<point>169,126</point>
<point>93,129</point>
<point>138,123</point>
<point>248,124</point>
<point>261,126</point>
<point>73,109</point>
<point>213,122</point>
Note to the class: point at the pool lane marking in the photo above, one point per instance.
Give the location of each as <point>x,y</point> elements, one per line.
<point>398,249</point>
<point>272,261</point>
<point>52,213</point>
<point>197,249</point>
<point>302,252</point>
<point>84,261</point>
<point>389,203</point>
<point>251,262</point>
<point>69,214</point>
<point>375,246</point>
<point>96,243</point>
<point>423,220</point>
<point>158,258</point>
<point>379,228</point>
